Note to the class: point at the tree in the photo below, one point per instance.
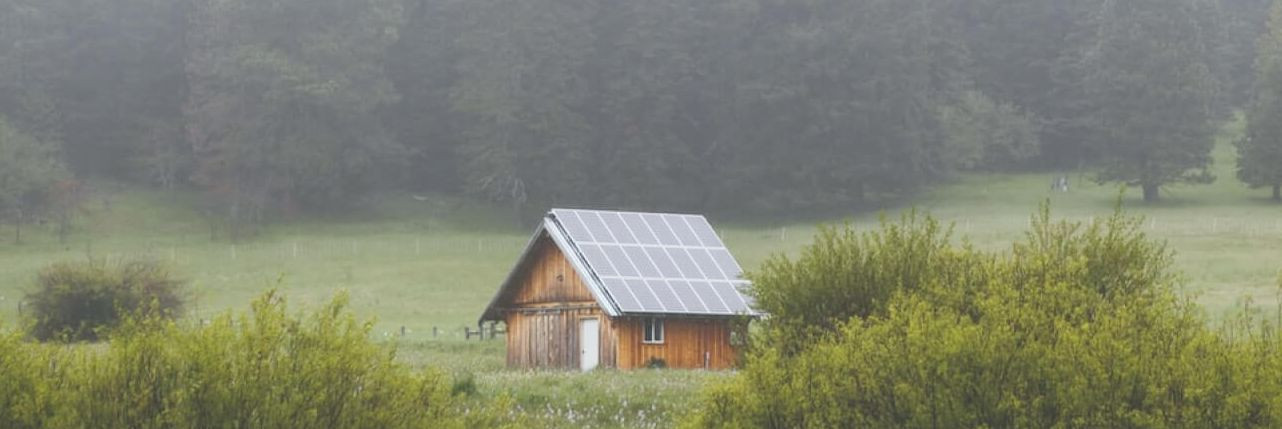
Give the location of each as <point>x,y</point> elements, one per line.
<point>283,99</point>
<point>983,134</point>
<point>1245,24</point>
<point>522,93</point>
<point>1152,93</point>
<point>1026,53</point>
<point>833,102</point>
<point>29,169</point>
<point>1259,160</point>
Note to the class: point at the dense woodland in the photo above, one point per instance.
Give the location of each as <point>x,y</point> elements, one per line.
<point>272,108</point>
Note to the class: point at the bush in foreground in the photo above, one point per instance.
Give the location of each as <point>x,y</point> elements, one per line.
<point>77,301</point>
<point>267,370</point>
<point>1076,326</point>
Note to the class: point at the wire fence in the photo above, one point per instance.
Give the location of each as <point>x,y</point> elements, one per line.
<point>312,248</point>
<point>1167,226</point>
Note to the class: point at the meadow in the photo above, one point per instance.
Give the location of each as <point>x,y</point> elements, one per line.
<point>425,269</point>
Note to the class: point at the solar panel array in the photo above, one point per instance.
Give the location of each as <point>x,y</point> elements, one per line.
<point>658,263</point>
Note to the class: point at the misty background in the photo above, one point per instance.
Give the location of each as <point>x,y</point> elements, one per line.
<point>269,109</point>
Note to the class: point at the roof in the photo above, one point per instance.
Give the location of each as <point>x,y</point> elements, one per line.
<point>642,263</point>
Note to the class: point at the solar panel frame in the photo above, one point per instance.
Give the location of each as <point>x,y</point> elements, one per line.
<point>619,229</point>
<point>657,263</point>
<point>667,297</point>
<point>703,231</point>
<point>575,228</point>
<point>682,230</point>
<point>684,289</point>
<point>662,232</point>
<point>704,290</point>
<point>727,263</point>
<point>667,268</point>
<point>728,294</point>
<point>600,232</point>
<point>640,229</point>
<point>645,266</point>
<point>707,265</point>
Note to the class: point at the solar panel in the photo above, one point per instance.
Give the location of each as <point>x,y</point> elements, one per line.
<point>658,263</point>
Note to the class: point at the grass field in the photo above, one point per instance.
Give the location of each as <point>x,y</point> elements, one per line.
<point>434,264</point>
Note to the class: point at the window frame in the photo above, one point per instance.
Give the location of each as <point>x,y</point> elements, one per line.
<point>652,330</point>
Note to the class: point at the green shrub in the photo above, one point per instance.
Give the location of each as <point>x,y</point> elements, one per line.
<point>266,369</point>
<point>77,301</point>
<point>846,274</point>
<point>1076,326</point>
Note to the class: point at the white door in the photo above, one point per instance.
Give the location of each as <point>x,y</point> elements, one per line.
<point>589,344</point>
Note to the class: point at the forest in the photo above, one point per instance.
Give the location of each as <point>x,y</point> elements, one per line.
<point>376,165</point>
<point>271,109</point>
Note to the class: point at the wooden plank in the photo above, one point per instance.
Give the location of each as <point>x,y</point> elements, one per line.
<point>686,340</point>
<point>544,310</point>
<point>543,315</point>
<point>550,278</point>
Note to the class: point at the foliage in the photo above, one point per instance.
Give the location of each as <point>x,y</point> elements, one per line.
<point>982,134</point>
<point>846,274</point>
<point>265,369</point>
<point>1260,149</point>
<point>1153,92</point>
<point>1079,325</point>
<point>79,301</point>
<point>282,104</point>
<point>287,106</point>
<point>461,245</point>
<point>29,170</point>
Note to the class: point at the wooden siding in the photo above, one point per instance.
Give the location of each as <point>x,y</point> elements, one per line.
<point>550,338</point>
<point>687,343</point>
<point>544,310</point>
<point>549,277</point>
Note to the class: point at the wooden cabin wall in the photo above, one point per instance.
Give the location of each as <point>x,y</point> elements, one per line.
<point>685,342</point>
<point>550,278</point>
<point>544,311</point>
<point>550,339</point>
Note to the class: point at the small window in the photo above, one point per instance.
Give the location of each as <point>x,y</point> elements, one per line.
<point>653,331</point>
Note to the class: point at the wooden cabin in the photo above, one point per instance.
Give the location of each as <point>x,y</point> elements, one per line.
<point>622,290</point>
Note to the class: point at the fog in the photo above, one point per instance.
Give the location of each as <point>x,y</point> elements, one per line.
<point>733,106</point>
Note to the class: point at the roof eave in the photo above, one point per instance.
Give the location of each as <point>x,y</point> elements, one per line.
<point>580,266</point>
<point>553,230</point>
<point>492,311</point>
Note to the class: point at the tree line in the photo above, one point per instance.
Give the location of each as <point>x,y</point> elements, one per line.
<point>760,105</point>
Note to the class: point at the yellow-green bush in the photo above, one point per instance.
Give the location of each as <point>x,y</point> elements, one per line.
<point>76,301</point>
<point>1075,326</point>
<point>266,369</point>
